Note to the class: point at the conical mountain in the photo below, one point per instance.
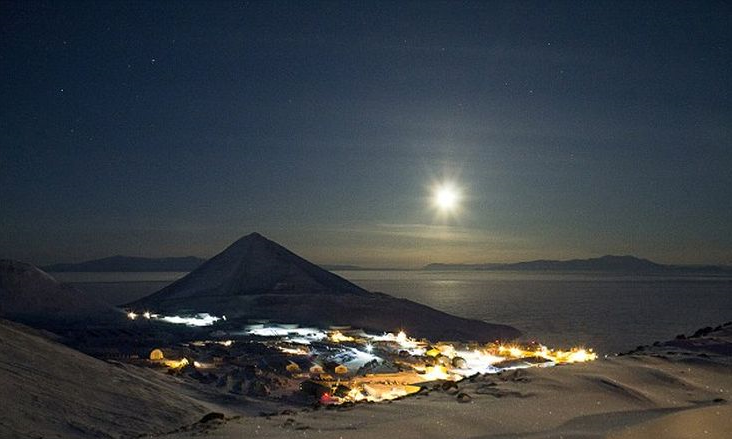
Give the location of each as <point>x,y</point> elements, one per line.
<point>255,278</point>
<point>253,265</point>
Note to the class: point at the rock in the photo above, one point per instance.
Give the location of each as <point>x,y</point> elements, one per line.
<point>464,397</point>
<point>450,387</point>
<point>211,416</point>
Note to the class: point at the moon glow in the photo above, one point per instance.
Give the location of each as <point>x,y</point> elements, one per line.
<point>446,197</point>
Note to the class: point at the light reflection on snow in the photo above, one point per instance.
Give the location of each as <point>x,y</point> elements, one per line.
<point>353,358</point>
<point>365,363</point>
<point>295,335</point>
<point>202,319</point>
<point>449,361</point>
<point>197,320</point>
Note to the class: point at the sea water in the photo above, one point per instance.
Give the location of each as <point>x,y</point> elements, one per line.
<point>609,312</point>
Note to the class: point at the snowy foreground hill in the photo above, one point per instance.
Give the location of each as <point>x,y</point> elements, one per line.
<point>51,391</point>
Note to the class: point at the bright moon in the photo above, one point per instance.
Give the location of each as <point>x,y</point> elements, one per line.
<point>446,197</point>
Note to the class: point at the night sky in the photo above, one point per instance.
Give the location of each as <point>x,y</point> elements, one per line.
<point>573,129</point>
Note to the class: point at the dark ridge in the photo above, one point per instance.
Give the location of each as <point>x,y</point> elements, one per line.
<point>121,263</point>
<point>608,263</point>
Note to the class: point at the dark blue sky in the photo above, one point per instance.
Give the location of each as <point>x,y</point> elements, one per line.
<point>574,129</point>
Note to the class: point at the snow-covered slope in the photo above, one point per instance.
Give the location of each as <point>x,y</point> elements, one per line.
<point>51,391</point>
<point>28,292</point>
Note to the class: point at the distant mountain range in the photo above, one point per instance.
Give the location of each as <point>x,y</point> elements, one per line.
<point>609,263</point>
<point>139,264</point>
<point>337,267</point>
<point>129,263</point>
